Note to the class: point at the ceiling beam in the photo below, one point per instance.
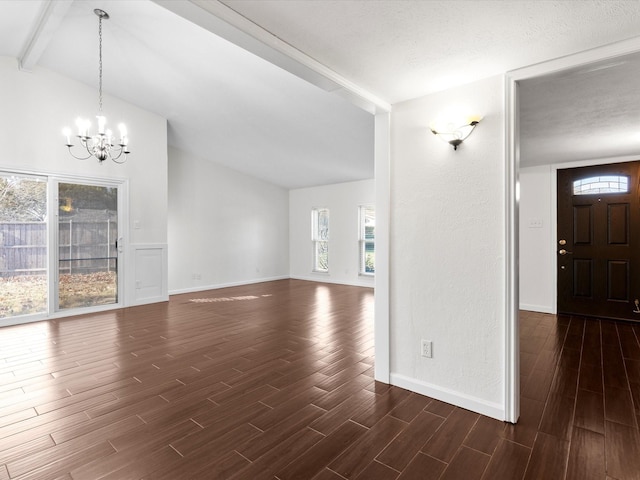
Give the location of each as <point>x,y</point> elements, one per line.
<point>225,22</point>
<point>51,15</point>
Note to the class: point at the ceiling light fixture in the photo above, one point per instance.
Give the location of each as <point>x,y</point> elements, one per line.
<point>454,132</point>
<point>101,145</point>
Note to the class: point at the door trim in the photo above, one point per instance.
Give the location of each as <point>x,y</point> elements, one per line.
<point>511,360</point>
<point>512,195</point>
<point>382,320</point>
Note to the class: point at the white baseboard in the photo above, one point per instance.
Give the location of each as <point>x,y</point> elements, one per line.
<point>537,308</point>
<point>21,320</point>
<point>149,300</point>
<point>218,286</point>
<point>489,409</point>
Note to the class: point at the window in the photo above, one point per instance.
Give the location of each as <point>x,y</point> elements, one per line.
<point>320,239</point>
<point>367,239</point>
<point>603,184</point>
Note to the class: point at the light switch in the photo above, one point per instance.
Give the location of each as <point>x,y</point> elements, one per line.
<point>535,223</point>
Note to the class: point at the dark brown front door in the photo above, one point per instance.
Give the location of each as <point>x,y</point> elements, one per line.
<point>598,245</point>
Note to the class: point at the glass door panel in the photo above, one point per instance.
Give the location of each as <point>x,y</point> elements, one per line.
<point>23,245</point>
<point>87,245</point>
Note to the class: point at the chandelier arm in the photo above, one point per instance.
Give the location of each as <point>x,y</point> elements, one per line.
<point>79,158</point>
<point>120,152</point>
<point>120,162</point>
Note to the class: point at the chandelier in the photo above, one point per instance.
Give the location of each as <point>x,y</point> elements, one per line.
<point>101,145</point>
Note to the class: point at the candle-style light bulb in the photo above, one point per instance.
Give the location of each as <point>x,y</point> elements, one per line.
<point>101,123</point>
<point>66,131</point>
<point>83,127</point>
<point>80,125</point>
<point>123,133</point>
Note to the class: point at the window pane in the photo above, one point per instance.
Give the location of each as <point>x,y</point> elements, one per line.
<point>601,184</point>
<point>322,257</point>
<point>369,258</point>
<point>320,237</point>
<point>367,239</point>
<point>323,224</point>
<point>23,245</point>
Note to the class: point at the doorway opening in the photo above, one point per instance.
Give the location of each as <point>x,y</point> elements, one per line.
<point>583,66</point>
<point>87,270</point>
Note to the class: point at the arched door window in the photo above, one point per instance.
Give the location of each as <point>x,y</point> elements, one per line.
<point>602,184</point>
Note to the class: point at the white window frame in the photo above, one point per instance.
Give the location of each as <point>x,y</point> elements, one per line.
<point>363,241</point>
<point>319,239</point>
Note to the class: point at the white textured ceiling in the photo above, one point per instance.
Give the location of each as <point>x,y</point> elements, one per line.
<point>403,49</point>
<point>582,113</point>
<point>235,108</point>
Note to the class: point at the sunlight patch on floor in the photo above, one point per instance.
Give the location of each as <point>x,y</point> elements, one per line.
<point>227,299</point>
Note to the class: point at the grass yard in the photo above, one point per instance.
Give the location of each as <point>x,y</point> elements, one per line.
<point>27,294</point>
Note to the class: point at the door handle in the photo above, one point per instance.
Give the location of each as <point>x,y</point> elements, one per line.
<point>564,252</point>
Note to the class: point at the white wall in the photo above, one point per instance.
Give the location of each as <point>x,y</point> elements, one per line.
<point>225,228</point>
<point>536,242</point>
<point>34,108</point>
<point>342,200</point>
<point>448,251</point>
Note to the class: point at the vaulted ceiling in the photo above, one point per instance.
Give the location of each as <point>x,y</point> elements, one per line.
<point>284,89</point>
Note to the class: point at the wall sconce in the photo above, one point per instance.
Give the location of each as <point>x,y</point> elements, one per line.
<point>454,132</point>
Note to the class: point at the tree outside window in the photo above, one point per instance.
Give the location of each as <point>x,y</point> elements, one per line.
<point>320,239</point>
<point>367,240</point>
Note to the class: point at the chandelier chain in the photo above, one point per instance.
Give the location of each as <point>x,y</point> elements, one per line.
<point>100,62</point>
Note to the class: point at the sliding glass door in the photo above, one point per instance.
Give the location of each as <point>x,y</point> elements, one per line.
<point>87,245</point>
<point>23,245</point>
<point>60,245</point>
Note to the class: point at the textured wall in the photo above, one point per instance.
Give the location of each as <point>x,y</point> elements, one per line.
<point>448,250</point>
<point>536,241</point>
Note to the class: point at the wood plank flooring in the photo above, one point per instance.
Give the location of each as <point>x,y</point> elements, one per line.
<point>275,381</point>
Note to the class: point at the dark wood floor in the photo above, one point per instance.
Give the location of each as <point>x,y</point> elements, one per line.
<point>275,381</point>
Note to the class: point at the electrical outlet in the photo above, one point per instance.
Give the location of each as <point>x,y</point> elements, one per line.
<point>427,348</point>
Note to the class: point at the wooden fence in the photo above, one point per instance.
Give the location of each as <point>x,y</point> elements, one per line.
<point>83,246</point>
